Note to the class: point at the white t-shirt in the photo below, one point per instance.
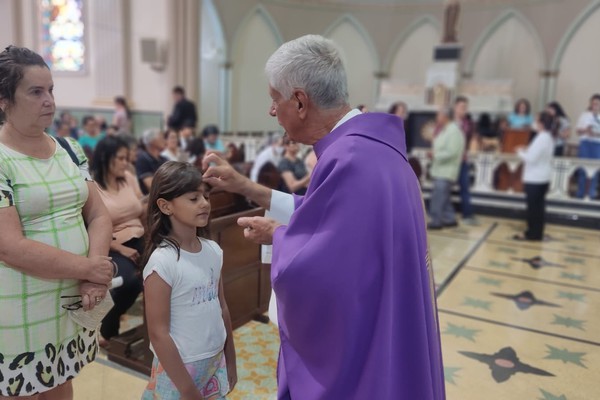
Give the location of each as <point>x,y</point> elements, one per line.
<point>589,119</point>
<point>197,326</point>
<point>266,155</point>
<point>538,159</point>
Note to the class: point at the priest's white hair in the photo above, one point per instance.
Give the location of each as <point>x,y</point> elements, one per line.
<point>311,63</point>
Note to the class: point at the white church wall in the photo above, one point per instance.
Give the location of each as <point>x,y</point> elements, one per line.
<point>212,58</point>
<point>150,89</point>
<point>7,23</point>
<point>359,60</point>
<point>579,72</point>
<point>255,41</point>
<point>415,53</point>
<point>511,52</point>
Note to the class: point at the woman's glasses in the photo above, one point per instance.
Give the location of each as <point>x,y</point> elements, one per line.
<point>73,306</point>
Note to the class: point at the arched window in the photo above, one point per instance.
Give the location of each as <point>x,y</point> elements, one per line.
<point>62,34</point>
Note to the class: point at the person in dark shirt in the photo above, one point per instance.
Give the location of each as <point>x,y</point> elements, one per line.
<point>149,159</point>
<point>292,168</point>
<point>184,111</point>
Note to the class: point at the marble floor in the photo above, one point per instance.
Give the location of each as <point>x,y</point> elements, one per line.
<point>518,320</point>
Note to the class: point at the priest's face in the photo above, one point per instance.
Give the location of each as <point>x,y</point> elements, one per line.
<point>286,111</point>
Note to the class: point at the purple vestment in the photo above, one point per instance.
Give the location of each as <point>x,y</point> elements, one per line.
<point>357,316</point>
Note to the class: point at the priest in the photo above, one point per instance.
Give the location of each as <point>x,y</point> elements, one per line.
<point>351,269</point>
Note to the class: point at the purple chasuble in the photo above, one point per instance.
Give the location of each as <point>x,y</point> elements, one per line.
<point>357,313</point>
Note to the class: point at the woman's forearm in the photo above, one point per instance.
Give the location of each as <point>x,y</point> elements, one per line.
<point>43,261</point>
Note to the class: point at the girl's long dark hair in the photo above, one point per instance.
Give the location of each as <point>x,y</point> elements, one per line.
<point>105,151</point>
<point>173,179</point>
<point>549,122</point>
<point>122,101</point>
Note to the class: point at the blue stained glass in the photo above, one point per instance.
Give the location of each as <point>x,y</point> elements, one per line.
<point>62,34</point>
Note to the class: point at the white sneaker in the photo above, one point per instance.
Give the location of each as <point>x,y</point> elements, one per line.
<point>472,221</point>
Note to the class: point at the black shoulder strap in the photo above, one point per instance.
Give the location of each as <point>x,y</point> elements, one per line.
<point>65,145</point>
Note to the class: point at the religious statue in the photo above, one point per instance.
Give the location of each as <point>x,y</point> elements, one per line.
<point>451,14</point>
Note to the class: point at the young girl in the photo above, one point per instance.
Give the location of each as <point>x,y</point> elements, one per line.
<point>187,317</point>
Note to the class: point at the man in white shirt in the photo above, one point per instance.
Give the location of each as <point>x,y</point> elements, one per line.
<point>588,127</point>
<point>270,154</point>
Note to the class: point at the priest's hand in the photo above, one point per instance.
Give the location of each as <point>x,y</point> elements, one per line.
<point>220,174</point>
<point>258,229</point>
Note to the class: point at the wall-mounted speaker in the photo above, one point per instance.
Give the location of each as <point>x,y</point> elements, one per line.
<point>153,53</point>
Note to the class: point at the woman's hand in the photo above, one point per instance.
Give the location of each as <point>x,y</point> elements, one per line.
<point>192,395</point>
<point>91,294</point>
<point>258,229</point>
<point>130,253</point>
<point>99,270</point>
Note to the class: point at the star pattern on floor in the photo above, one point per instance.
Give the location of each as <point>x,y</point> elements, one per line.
<point>574,260</point>
<point>572,277</point>
<point>568,322</point>
<point>477,303</point>
<point>507,250</point>
<point>490,281</point>
<point>450,374</point>
<point>578,297</point>
<point>498,264</point>
<point>461,332</point>
<point>550,396</point>
<point>565,356</point>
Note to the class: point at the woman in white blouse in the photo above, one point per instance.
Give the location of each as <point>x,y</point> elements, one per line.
<point>536,175</point>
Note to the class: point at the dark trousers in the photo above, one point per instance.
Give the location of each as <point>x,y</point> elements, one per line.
<point>535,195</point>
<point>464,183</point>
<point>124,296</point>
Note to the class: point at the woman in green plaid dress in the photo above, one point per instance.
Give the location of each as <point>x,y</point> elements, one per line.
<point>54,238</point>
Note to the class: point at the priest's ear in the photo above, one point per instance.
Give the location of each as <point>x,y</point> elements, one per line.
<point>301,102</point>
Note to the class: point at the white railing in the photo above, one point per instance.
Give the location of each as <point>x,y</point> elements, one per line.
<point>486,165</point>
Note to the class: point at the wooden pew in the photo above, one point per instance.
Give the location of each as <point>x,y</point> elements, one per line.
<point>246,281</point>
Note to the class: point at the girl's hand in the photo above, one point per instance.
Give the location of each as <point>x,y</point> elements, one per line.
<point>192,396</point>
<point>231,373</point>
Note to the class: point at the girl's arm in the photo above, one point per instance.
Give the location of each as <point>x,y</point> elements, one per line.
<point>229,349</point>
<point>157,297</point>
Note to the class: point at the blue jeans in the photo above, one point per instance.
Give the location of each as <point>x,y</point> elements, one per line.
<point>464,183</point>
<point>591,150</point>
<point>441,210</point>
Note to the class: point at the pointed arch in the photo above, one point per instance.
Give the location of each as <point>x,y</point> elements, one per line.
<point>351,19</point>
<point>494,27</point>
<point>212,76</point>
<point>208,6</point>
<point>261,11</point>
<point>571,31</point>
<point>359,57</point>
<point>255,41</point>
<point>405,35</point>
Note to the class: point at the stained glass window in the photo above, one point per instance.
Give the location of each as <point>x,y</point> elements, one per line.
<point>62,39</point>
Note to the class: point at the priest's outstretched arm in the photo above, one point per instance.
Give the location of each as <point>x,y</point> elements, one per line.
<point>220,174</point>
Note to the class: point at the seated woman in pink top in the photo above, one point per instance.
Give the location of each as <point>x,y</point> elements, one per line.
<point>122,196</point>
